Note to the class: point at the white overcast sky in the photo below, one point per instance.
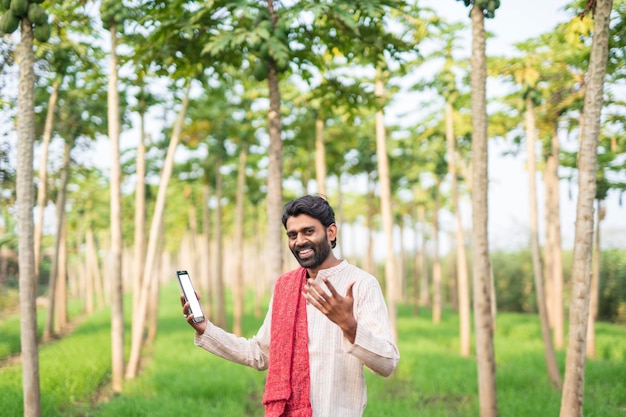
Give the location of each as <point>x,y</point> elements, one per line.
<point>514,22</point>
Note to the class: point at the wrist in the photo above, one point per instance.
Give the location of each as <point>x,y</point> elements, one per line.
<point>349,332</point>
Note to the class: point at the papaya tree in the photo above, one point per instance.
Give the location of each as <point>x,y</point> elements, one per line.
<point>113,14</point>
<point>573,385</point>
<point>482,286</point>
<point>32,20</point>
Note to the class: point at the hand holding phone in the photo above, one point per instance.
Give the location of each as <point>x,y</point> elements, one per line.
<point>190,296</point>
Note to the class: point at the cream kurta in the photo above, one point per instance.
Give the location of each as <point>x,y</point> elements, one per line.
<point>337,380</point>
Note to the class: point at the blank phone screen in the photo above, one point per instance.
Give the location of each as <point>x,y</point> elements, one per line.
<point>190,295</point>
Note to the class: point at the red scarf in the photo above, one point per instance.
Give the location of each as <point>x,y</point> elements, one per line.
<point>287,386</point>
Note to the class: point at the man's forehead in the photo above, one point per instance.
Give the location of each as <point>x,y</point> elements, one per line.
<point>302,221</point>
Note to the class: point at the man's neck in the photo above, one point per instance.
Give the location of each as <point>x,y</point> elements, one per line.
<point>330,262</point>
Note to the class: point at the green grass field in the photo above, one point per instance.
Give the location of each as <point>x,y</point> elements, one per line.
<point>178,378</point>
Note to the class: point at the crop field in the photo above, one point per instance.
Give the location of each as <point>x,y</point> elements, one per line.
<point>432,380</point>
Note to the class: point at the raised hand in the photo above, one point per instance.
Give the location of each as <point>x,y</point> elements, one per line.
<point>336,307</point>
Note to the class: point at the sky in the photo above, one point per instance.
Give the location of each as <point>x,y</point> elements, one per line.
<point>516,21</point>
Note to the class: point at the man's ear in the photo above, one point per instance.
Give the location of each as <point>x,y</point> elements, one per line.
<point>331,231</point>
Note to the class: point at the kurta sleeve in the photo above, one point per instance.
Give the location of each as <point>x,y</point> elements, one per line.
<point>252,352</point>
<point>373,344</point>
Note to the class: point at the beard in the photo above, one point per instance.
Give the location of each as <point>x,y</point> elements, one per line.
<point>321,251</point>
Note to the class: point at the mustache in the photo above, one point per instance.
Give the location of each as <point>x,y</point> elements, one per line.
<point>305,246</point>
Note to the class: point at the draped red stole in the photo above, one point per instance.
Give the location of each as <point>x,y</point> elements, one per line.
<point>287,387</point>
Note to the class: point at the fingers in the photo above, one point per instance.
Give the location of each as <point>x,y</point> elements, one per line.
<point>316,293</point>
<point>331,288</point>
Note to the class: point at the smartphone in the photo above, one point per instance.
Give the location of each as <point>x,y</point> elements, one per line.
<point>190,295</point>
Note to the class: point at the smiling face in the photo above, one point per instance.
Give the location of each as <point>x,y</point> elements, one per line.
<point>310,241</point>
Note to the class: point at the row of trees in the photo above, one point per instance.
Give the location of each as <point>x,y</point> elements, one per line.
<point>259,89</point>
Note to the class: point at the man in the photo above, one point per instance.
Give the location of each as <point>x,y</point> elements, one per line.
<point>314,340</point>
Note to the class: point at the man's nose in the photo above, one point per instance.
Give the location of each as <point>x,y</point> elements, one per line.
<point>300,239</point>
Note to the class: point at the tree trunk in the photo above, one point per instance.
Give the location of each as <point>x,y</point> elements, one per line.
<point>573,386</point>
<point>155,286</point>
<point>484,321</point>
<point>595,285</point>
<point>341,244</point>
<point>417,271</point>
<point>557,254</point>
<point>239,243</point>
<point>385,203</point>
<point>401,265</point>
<point>139,320</point>
<point>48,331</point>
<point>220,295</point>
<point>320,156</point>
<point>259,284</point>
<point>554,257</point>
<point>422,260</point>
<point>117,296</point>
<point>461,257</point>
<point>553,370</point>
<point>60,312</point>
<point>25,226</point>
<point>369,263</point>
<point>192,265</point>
<point>437,286</point>
<point>89,277</point>
<point>139,256</point>
<point>274,255</point>
<point>205,279</point>
<point>43,170</point>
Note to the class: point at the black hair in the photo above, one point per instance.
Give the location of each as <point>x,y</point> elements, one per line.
<point>314,206</point>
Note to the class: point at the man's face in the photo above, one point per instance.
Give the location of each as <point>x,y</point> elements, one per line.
<point>308,241</point>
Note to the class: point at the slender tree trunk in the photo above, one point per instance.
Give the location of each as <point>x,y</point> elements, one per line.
<point>140,216</point>
<point>369,263</point>
<point>205,279</point>
<point>43,170</point>
<point>259,284</point>
<point>437,286</point>
<point>48,331</point>
<point>89,278</point>
<point>341,244</point>
<point>139,321</point>
<point>385,203</point>
<point>553,370</point>
<point>155,285</point>
<point>416,265</point>
<point>274,245</point>
<point>461,257</point>
<point>61,288</point>
<point>573,386</point>
<point>25,226</point>
<point>320,156</point>
<point>553,251</point>
<point>422,260</point>
<point>220,293</point>
<point>117,296</point>
<point>239,242</point>
<point>595,285</point>
<point>401,264</point>
<point>484,321</point>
